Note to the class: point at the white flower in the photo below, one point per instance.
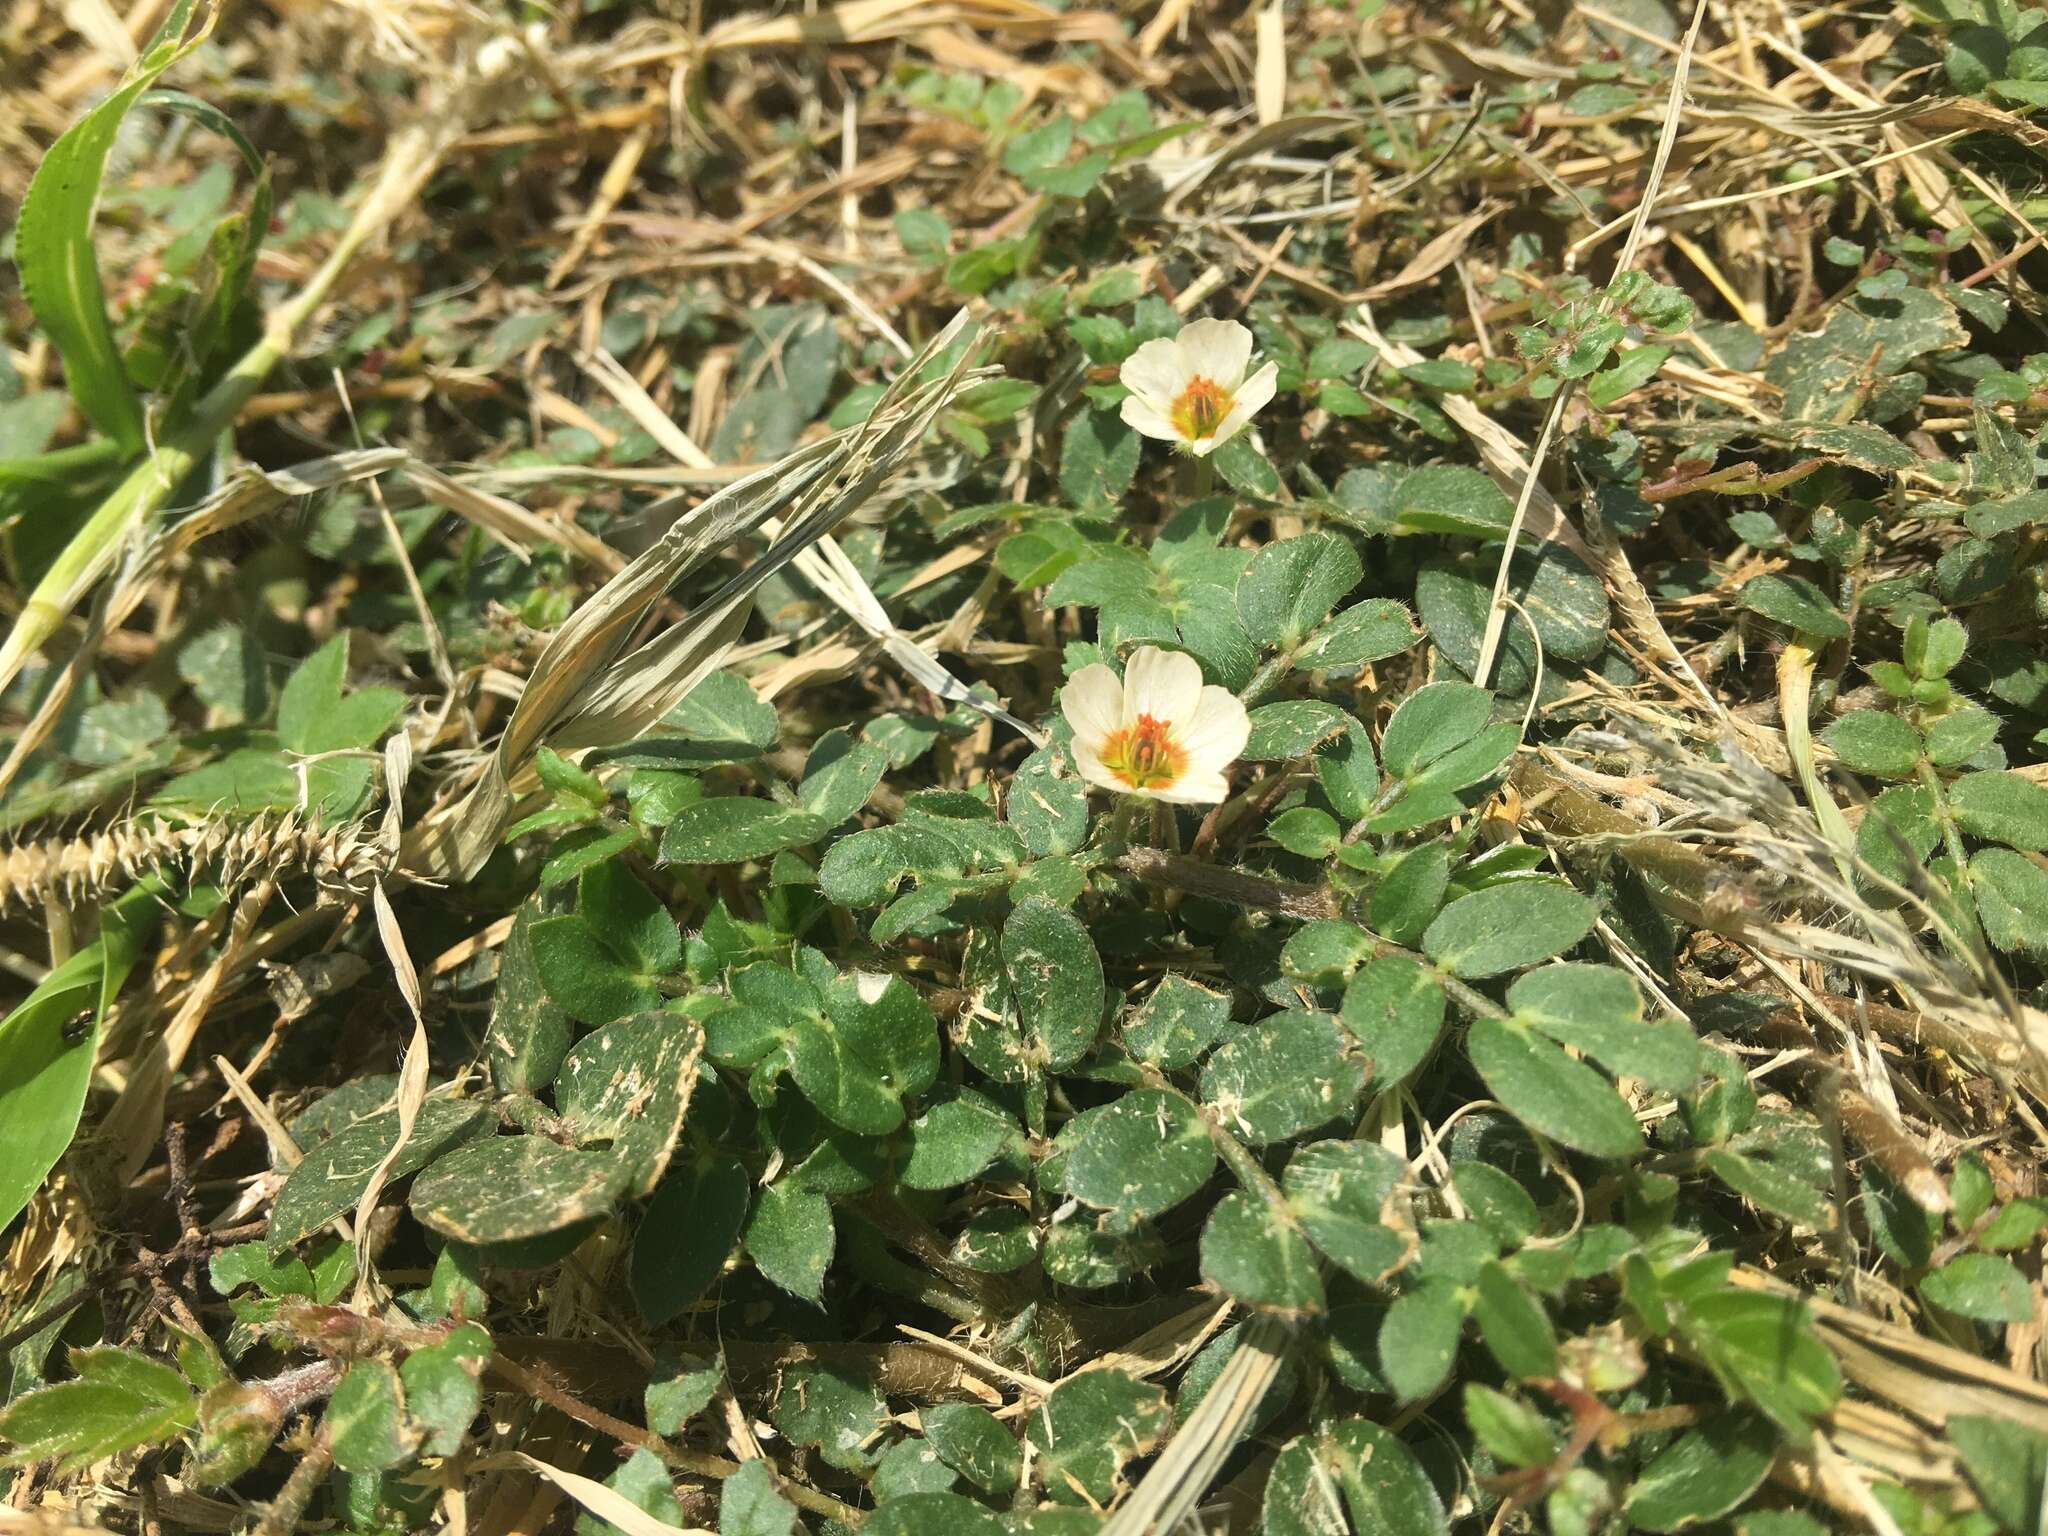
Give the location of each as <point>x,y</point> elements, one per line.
<point>1157,731</point>
<point>1191,389</point>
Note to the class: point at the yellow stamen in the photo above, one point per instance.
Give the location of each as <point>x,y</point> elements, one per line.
<point>1145,755</point>
<point>1199,409</point>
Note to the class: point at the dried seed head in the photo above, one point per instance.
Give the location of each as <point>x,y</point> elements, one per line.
<point>79,870</point>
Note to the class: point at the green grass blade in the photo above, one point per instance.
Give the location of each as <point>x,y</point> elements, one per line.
<point>45,1064</point>
<point>207,115</point>
<point>60,466</point>
<point>53,247</point>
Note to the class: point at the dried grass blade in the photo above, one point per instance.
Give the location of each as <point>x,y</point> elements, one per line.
<point>826,566</point>
<point>582,692</point>
<point>655,677</point>
<point>1269,75</point>
<point>412,1089</point>
<point>872,21</point>
<point>587,644</point>
<point>1177,1480</point>
<point>1181,178</point>
<point>1439,253</point>
<point>639,689</point>
<point>637,403</point>
<point>607,1504</point>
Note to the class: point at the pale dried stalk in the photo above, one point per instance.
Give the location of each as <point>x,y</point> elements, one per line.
<point>607,1504</point>
<point>857,22</point>
<point>1498,605</point>
<point>514,528</point>
<point>412,1092</point>
<point>1795,705</point>
<point>1177,1480</point>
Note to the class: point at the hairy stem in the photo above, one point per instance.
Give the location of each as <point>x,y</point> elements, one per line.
<point>282,1514</point>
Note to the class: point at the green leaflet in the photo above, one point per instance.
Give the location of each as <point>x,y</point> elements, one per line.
<point>45,1062</point>
<point>117,1401</point>
<point>1351,1475</point>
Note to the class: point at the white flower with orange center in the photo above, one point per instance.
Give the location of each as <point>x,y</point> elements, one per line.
<point>1157,731</point>
<point>1191,389</point>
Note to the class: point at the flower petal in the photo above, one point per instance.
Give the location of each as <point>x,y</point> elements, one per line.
<point>1252,394</point>
<point>1194,788</point>
<point>1093,702</point>
<point>1167,685</point>
<point>1155,372</point>
<point>1216,349</point>
<point>1214,736</point>
<point>1091,769</point>
<point>1141,415</point>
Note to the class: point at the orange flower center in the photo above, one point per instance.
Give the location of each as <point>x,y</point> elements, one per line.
<point>1199,409</point>
<point>1145,755</point>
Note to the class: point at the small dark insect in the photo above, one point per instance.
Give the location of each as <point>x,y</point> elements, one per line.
<point>78,1027</point>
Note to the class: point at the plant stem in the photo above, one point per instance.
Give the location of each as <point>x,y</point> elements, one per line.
<point>1497,605</point>
<point>1267,678</point>
<point>1244,1167</point>
<point>1249,1172</point>
<point>1951,838</point>
<point>996,1296</point>
<point>282,1514</point>
<point>1178,872</point>
<point>867,1254</point>
<point>1120,821</point>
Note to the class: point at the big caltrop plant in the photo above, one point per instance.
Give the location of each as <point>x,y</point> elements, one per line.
<point>779,924</point>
